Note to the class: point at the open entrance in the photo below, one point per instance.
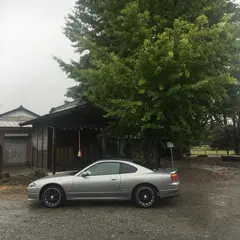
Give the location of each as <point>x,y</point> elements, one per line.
<point>74,148</point>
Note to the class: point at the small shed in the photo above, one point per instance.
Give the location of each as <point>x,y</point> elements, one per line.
<point>71,136</point>
<point>15,140</point>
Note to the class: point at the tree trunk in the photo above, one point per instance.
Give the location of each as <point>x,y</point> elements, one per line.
<point>226,133</point>
<point>146,151</point>
<point>236,146</point>
<point>156,155</point>
<point>236,138</point>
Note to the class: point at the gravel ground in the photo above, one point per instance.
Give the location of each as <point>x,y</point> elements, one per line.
<point>207,209</point>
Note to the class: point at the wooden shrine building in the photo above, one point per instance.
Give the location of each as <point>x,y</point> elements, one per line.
<point>71,136</point>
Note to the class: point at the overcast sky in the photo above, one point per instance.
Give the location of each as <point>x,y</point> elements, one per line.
<point>30,33</point>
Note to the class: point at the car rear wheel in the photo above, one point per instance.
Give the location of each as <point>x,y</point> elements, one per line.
<point>145,196</point>
<point>53,196</point>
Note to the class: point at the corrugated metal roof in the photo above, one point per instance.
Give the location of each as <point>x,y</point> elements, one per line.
<point>9,124</point>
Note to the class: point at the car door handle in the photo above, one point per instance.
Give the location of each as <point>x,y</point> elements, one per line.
<point>114,179</point>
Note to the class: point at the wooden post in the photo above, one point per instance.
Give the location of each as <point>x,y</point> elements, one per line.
<point>42,145</point>
<point>53,151</point>
<point>103,145</point>
<point>37,150</point>
<point>1,161</point>
<point>118,148</point>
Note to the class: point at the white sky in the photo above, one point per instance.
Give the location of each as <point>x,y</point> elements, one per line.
<point>30,34</point>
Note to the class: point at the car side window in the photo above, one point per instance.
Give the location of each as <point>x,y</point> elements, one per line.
<point>104,169</point>
<point>126,168</point>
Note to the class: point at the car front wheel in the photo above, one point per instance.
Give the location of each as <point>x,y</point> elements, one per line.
<point>145,196</point>
<point>53,196</point>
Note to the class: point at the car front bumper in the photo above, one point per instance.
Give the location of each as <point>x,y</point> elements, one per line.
<point>33,194</point>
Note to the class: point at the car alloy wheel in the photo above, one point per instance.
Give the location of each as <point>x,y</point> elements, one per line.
<point>52,197</point>
<point>145,196</point>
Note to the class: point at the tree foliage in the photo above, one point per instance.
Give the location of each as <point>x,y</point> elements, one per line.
<point>159,67</point>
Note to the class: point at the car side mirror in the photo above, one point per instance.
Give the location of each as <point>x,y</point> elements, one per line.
<point>85,174</point>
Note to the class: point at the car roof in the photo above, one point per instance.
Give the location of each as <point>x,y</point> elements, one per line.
<point>126,161</point>
<point>115,160</point>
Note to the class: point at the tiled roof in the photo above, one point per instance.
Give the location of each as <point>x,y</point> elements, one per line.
<point>19,108</point>
<point>68,106</point>
<point>9,124</point>
<point>59,111</point>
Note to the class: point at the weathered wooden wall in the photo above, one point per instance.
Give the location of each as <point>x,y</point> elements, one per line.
<point>40,148</point>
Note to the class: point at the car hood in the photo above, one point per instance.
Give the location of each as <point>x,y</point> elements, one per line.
<point>63,174</point>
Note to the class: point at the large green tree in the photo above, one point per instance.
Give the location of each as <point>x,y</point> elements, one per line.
<point>158,67</point>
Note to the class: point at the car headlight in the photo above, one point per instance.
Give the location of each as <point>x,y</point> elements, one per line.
<point>32,184</point>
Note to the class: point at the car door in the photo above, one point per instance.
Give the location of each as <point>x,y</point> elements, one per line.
<point>129,179</point>
<point>103,182</point>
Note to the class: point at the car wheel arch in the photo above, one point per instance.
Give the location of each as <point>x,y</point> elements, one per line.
<point>144,184</point>
<point>48,185</point>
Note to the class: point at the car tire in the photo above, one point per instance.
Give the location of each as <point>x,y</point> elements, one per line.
<point>53,196</point>
<point>145,196</point>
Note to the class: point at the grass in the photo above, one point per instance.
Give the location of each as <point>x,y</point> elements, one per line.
<point>206,150</point>
<point>14,184</point>
<point>12,188</point>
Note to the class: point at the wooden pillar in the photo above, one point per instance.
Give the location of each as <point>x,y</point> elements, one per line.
<point>118,148</point>
<point>33,146</point>
<point>53,151</point>
<point>1,161</point>
<point>103,145</point>
<point>42,145</point>
<point>37,150</point>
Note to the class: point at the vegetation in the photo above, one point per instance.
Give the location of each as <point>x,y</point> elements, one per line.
<point>206,150</point>
<point>228,119</point>
<point>162,68</point>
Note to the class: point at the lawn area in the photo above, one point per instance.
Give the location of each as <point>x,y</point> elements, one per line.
<point>205,150</point>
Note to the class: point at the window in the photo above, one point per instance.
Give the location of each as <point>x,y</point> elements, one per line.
<point>126,168</point>
<point>104,168</point>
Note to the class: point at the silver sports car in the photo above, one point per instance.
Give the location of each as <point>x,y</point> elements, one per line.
<point>109,180</point>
